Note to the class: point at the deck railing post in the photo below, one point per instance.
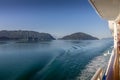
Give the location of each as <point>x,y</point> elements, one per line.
<point>98,75</point>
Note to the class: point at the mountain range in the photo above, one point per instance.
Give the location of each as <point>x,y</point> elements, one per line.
<point>36,36</point>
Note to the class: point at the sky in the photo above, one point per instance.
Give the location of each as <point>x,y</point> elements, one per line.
<point>57,17</point>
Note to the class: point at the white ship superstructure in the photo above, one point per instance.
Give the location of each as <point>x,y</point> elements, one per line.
<point>110,11</point>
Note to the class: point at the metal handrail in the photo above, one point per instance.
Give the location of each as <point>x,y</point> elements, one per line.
<point>116,65</point>
<point>111,57</point>
<point>112,72</point>
<point>98,75</point>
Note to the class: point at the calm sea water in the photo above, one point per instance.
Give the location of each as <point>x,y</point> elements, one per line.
<point>53,60</point>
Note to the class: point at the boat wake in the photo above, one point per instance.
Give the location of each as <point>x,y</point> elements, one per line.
<point>92,67</point>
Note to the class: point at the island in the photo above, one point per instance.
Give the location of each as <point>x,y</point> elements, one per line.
<point>79,36</point>
<point>23,35</point>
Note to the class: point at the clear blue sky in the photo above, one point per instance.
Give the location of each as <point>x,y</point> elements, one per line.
<point>57,17</point>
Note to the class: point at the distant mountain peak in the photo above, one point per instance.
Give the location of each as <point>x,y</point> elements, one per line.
<point>79,36</point>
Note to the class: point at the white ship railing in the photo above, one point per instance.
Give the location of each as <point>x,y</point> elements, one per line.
<point>112,72</point>
<point>98,75</point>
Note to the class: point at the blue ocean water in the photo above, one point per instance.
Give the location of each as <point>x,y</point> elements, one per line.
<point>53,60</point>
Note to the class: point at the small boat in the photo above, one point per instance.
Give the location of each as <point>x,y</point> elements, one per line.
<point>110,11</point>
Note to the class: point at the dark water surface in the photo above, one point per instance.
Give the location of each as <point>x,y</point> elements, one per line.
<point>52,60</point>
